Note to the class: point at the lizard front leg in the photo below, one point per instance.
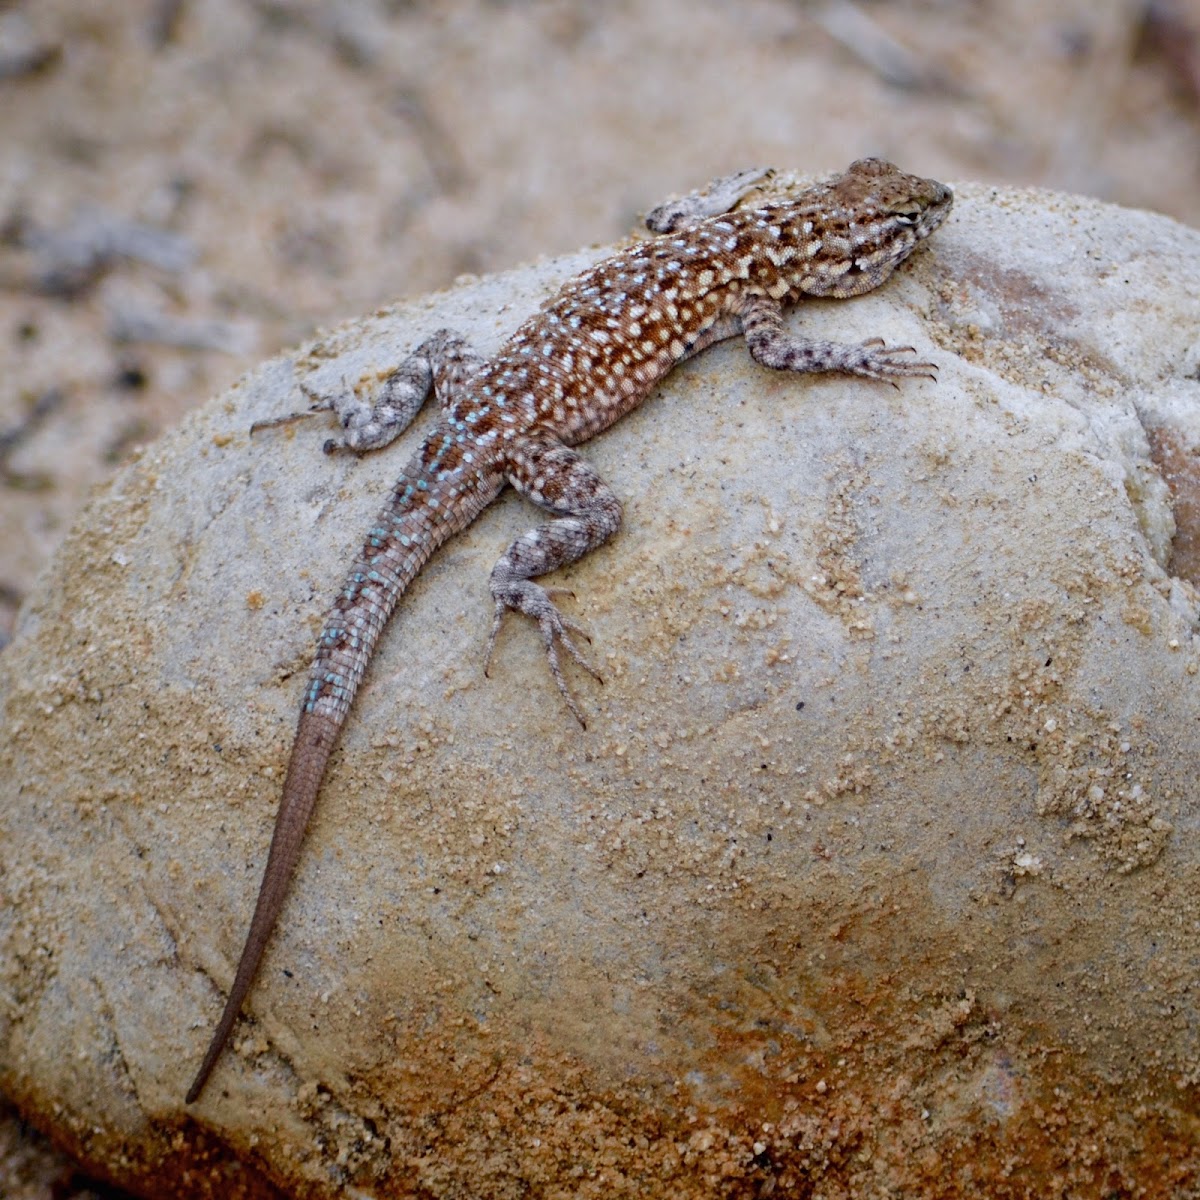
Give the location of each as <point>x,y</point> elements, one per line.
<point>713,200</point>
<point>587,512</point>
<point>772,346</point>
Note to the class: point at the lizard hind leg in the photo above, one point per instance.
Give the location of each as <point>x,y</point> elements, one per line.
<point>587,514</point>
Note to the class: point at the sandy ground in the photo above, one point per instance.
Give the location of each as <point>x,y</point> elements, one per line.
<point>187,187</point>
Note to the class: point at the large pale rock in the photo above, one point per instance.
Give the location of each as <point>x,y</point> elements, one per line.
<point>877,867</point>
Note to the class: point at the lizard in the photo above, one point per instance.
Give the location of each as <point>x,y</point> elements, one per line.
<point>591,354</point>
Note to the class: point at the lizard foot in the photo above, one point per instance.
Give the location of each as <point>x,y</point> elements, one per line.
<point>355,415</point>
<point>536,601</point>
<point>873,359</point>
<point>319,404</point>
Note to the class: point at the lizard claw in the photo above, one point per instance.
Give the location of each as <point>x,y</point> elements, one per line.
<point>276,422</point>
<point>317,404</point>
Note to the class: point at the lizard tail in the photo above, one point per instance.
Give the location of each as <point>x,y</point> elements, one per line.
<point>430,502</point>
<point>315,737</point>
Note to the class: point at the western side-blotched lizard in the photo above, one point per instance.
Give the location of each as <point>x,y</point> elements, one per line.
<point>589,356</point>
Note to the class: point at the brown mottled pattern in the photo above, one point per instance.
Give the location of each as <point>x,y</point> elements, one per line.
<point>587,358</point>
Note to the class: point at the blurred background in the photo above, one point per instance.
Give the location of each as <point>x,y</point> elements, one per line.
<point>189,186</point>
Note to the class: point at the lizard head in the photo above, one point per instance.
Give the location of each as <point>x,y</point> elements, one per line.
<point>871,219</point>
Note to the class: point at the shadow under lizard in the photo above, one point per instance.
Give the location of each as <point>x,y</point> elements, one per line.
<point>592,354</point>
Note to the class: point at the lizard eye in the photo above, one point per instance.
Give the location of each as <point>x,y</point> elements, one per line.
<point>908,217</point>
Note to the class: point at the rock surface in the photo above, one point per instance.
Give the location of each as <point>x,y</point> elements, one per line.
<point>877,865</point>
